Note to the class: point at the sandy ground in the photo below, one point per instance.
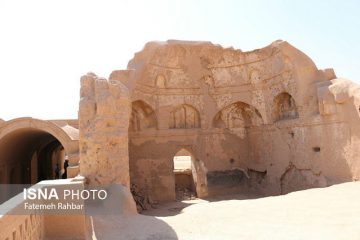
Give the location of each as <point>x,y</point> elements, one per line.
<point>327,213</point>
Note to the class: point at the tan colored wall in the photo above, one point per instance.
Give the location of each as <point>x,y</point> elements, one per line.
<point>22,227</point>
<point>64,227</point>
<point>104,114</point>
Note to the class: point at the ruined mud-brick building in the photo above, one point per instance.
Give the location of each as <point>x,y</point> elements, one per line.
<point>265,121</point>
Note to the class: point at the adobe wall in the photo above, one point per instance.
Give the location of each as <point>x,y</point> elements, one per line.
<point>17,222</point>
<point>104,113</point>
<point>266,121</point>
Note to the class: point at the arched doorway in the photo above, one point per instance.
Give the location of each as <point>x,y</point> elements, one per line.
<point>31,148</point>
<point>184,175</point>
<point>29,156</point>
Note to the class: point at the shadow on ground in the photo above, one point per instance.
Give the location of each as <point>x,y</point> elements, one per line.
<point>116,219</point>
<point>130,228</point>
<point>175,208</point>
<point>170,208</point>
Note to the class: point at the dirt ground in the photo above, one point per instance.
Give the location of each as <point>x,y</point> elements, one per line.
<point>327,213</point>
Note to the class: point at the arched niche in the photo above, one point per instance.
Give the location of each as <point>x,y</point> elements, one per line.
<point>284,107</point>
<point>160,81</point>
<point>142,117</point>
<point>29,156</point>
<point>237,115</point>
<point>184,116</point>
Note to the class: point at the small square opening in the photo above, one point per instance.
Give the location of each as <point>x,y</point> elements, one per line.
<point>316,149</point>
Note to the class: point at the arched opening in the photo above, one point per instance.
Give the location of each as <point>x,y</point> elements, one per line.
<point>142,117</point>
<point>184,116</point>
<point>237,115</point>
<point>160,81</point>
<point>30,155</point>
<point>184,175</point>
<point>284,107</point>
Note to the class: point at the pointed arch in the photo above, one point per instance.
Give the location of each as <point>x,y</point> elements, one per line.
<point>184,116</point>
<point>284,107</point>
<point>237,115</point>
<point>142,117</point>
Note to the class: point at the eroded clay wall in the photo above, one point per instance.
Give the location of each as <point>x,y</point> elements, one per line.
<point>151,160</point>
<point>104,114</point>
<point>266,121</point>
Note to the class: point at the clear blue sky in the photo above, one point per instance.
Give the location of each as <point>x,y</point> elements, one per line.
<point>45,46</point>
